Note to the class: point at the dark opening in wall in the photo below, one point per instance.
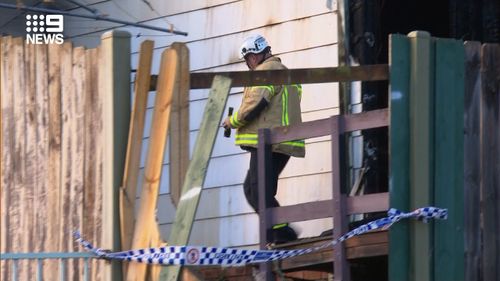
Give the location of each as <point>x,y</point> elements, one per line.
<point>371,22</point>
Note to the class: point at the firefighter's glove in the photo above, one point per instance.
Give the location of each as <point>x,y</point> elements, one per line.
<point>227,124</point>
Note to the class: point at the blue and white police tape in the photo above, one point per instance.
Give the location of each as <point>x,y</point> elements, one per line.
<point>199,255</point>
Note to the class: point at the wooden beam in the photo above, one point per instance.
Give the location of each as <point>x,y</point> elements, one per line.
<point>366,245</point>
<point>449,159</point>
<point>144,226</point>
<point>114,87</point>
<point>399,90</point>
<point>421,150</point>
<point>322,127</point>
<point>195,176</point>
<point>179,126</point>
<point>377,202</point>
<point>377,72</point>
<point>128,189</point>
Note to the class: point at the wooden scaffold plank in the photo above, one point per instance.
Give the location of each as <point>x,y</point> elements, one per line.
<point>145,224</point>
<point>179,126</point>
<point>132,162</point>
<point>195,176</point>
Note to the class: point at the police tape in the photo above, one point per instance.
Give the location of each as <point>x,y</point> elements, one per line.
<point>200,255</point>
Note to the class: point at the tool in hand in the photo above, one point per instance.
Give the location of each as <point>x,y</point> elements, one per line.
<point>227,132</point>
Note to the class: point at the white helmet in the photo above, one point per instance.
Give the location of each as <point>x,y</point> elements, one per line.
<point>254,44</point>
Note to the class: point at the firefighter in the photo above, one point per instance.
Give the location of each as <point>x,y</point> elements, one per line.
<point>266,107</point>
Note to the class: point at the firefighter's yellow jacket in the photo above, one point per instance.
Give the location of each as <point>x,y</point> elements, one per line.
<point>283,109</point>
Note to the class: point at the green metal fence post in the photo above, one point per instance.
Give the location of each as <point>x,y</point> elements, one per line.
<point>399,89</point>
<point>449,159</point>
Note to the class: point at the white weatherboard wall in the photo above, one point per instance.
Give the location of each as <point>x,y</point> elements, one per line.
<point>303,33</point>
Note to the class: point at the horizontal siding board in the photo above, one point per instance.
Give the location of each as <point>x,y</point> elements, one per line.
<point>224,50</point>
<point>243,15</point>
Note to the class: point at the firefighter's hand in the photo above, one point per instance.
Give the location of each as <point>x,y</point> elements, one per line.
<point>226,124</point>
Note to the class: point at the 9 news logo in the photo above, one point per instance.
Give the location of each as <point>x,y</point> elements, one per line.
<point>44,29</point>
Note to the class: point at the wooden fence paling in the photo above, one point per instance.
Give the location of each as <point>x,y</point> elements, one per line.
<point>7,143</point>
<point>399,247</point>
<point>179,126</point>
<point>144,227</point>
<point>67,153</point>
<point>472,215</point>
<point>421,156</point>
<point>195,176</point>
<point>490,157</point>
<point>114,87</point>
<point>449,159</point>
<point>78,149</point>
<point>17,203</point>
<point>132,162</point>
<point>30,236</point>
<point>2,189</point>
<point>42,149</point>
<point>94,152</point>
<point>54,158</point>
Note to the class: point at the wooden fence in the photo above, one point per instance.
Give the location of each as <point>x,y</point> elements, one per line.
<point>53,151</point>
<point>482,156</point>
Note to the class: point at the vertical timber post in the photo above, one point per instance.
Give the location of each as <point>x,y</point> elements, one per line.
<point>114,85</point>
<point>341,266</point>
<point>264,164</point>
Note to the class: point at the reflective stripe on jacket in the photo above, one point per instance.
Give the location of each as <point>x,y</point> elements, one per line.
<point>283,109</point>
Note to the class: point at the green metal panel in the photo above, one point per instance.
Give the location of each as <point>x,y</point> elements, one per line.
<point>399,89</point>
<point>195,176</point>
<point>421,150</point>
<point>449,159</point>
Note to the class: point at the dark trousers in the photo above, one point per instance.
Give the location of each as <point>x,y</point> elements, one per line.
<point>250,185</point>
